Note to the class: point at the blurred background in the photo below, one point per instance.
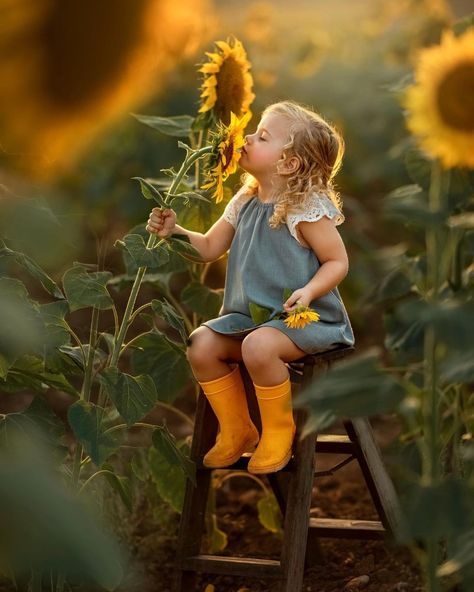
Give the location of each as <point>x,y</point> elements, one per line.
<point>73,73</point>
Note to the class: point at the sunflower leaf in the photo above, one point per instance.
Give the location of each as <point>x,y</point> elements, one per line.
<point>259,313</point>
<point>149,192</point>
<point>178,126</point>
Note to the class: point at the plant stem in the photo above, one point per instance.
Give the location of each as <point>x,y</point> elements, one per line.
<point>431,468</point>
<point>188,162</point>
<point>86,389</point>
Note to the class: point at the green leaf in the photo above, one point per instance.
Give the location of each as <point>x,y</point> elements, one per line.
<point>259,314</point>
<point>22,329</point>
<point>167,312</point>
<point>458,367</point>
<point>418,167</point>
<point>165,444</point>
<point>218,539</point>
<point>119,484</point>
<point>52,427</point>
<point>75,354</point>
<point>149,192</point>
<point>269,514</point>
<point>139,466</point>
<point>84,420</point>
<point>44,526</point>
<point>188,196</point>
<point>169,479</point>
<point>141,255</point>
<point>178,126</point>
<point>33,269</point>
<point>394,284</point>
<point>29,372</point>
<point>84,289</point>
<point>423,502</point>
<point>202,299</point>
<point>154,354</point>
<point>405,191</point>
<point>57,331</point>
<point>134,396</point>
<point>180,244</point>
<point>352,388</point>
<point>287,292</point>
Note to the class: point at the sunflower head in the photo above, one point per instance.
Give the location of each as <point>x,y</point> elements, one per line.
<point>441,102</point>
<point>227,84</point>
<point>300,317</point>
<point>226,141</point>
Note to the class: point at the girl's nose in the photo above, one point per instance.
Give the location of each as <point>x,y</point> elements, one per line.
<point>247,138</point>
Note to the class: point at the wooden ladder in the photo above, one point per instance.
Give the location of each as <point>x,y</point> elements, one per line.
<point>292,487</point>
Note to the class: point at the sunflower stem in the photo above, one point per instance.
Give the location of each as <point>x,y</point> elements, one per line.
<point>431,465</point>
<point>118,342</point>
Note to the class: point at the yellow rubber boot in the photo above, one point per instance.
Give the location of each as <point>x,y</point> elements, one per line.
<point>278,428</point>
<point>237,434</point>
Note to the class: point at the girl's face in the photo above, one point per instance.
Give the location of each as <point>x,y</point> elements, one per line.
<point>264,148</point>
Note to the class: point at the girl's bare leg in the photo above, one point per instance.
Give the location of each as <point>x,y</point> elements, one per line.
<point>265,351</point>
<point>209,353</point>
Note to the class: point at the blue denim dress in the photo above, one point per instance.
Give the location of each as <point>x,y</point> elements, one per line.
<point>263,262</point>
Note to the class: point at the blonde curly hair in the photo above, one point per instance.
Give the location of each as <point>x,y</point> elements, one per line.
<point>319,147</point>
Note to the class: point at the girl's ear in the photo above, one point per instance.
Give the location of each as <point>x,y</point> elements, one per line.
<point>290,165</point>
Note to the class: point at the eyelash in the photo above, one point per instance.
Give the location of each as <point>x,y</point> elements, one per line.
<point>263,139</point>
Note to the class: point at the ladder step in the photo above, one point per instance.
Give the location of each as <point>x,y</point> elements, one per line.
<point>334,443</point>
<point>348,529</point>
<point>235,566</point>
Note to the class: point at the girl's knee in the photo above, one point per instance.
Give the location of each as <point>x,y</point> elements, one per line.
<point>257,349</point>
<point>201,346</point>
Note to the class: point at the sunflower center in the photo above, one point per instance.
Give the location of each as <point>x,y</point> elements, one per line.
<point>456,97</point>
<point>228,153</point>
<point>230,89</point>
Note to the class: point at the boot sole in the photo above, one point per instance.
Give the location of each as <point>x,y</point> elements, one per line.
<point>248,446</point>
<point>270,468</point>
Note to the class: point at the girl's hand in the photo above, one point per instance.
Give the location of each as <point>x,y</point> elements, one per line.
<point>161,222</point>
<point>300,297</point>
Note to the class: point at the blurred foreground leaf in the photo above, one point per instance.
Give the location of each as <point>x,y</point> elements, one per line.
<point>356,387</point>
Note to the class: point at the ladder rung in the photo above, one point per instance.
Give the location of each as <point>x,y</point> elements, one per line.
<point>348,529</point>
<point>235,566</point>
<point>334,443</point>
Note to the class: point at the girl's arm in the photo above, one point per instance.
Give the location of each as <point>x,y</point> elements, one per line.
<point>210,246</point>
<point>324,239</point>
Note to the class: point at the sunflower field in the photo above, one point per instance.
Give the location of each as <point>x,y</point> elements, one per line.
<point>111,109</point>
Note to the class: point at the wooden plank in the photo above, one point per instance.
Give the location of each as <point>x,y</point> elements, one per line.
<point>234,566</point>
<point>334,444</point>
<point>347,528</point>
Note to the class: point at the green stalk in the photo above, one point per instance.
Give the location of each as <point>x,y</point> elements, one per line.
<point>86,388</point>
<point>188,162</point>
<point>431,465</point>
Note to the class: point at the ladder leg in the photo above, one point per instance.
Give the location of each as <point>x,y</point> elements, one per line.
<point>375,474</point>
<point>195,498</point>
<point>297,512</point>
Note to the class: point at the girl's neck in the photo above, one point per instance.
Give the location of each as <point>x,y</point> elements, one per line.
<point>267,192</point>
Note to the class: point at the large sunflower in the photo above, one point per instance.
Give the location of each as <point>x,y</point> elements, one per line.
<point>441,102</point>
<point>227,141</point>
<point>227,84</point>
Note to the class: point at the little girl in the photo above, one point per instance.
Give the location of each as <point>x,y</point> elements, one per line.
<point>281,231</point>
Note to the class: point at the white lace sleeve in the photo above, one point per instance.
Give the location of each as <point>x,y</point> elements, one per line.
<point>318,205</point>
<point>232,209</point>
